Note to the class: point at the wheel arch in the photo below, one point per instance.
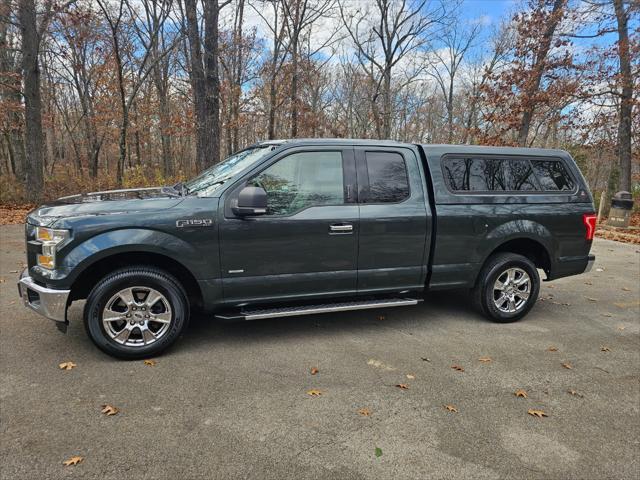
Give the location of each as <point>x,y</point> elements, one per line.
<point>533,249</point>
<point>94,271</point>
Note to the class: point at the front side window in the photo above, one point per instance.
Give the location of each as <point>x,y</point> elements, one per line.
<point>552,175</point>
<point>388,180</point>
<point>302,180</point>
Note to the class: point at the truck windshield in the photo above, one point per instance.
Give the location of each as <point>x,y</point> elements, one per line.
<point>206,184</point>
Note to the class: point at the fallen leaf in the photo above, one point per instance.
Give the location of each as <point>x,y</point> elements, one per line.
<point>567,366</point>
<point>314,370</point>
<point>588,283</point>
<point>607,315</point>
<point>451,408</point>
<point>485,359</point>
<point>2,280</point>
<point>537,413</point>
<point>109,410</point>
<point>314,393</point>
<point>625,289</point>
<point>67,365</point>
<point>402,386</point>
<point>425,359</point>
<point>73,461</point>
<point>457,368</point>
<point>411,377</point>
<point>550,286</point>
<point>599,269</point>
<point>520,393</point>
<point>592,299</point>
<point>552,349</point>
<point>381,318</point>
<point>365,412</point>
<point>604,348</point>
<point>621,327</point>
<point>573,392</point>
<point>13,271</point>
<point>378,452</point>
<point>151,363</point>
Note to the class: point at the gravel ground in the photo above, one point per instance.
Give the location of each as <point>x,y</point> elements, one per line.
<point>230,400</point>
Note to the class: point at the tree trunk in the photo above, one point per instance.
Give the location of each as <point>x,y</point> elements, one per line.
<point>33,102</point>
<point>237,87</point>
<point>386,104</point>
<point>205,81</point>
<point>212,82</point>
<point>626,97</point>
<point>533,85</point>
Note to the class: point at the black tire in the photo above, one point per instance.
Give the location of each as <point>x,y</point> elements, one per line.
<point>495,267</point>
<point>136,276</point>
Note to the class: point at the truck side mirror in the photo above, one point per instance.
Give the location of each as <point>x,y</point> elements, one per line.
<point>251,201</point>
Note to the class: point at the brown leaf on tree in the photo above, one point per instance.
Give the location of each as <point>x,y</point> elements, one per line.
<point>574,393</point>
<point>537,413</point>
<point>151,362</point>
<point>520,393</point>
<point>402,386</point>
<point>67,365</point>
<point>314,392</point>
<point>552,349</point>
<point>73,461</point>
<point>451,408</point>
<point>458,368</point>
<point>109,410</point>
<point>485,359</point>
<point>314,370</point>
<point>365,412</point>
<point>604,348</point>
<point>567,365</point>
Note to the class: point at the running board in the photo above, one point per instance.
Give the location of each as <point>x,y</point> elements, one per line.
<point>258,314</point>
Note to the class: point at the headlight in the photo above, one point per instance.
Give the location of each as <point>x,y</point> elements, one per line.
<point>50,239</point>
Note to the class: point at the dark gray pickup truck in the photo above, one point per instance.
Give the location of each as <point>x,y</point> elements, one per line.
<point>309,226</point>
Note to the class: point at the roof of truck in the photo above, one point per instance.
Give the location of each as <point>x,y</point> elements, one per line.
<point>436,149</point>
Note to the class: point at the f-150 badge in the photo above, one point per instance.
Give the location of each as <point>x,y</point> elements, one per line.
<point>194,222</point>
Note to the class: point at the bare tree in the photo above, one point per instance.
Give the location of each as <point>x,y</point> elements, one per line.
<point>387,36</point>
<point>457,41</point>
<point>205,78</point>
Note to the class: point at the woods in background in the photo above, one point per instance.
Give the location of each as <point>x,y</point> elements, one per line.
<point>104,93</point>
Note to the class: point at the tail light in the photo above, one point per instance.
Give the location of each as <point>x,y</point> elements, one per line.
<point>589,220</point>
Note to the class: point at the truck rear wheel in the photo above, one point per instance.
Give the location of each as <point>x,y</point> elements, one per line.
<point>507,287</point>
<point>136,312</point>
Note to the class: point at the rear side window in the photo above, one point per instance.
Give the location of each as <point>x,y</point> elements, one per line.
<point>388,180</point>
<point>489,174</point>
<point>552,175</point>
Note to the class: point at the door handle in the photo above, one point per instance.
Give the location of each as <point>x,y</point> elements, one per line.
<point>341,228</point>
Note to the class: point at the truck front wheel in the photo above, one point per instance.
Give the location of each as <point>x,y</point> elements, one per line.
<point>507,287</point>
<point>136,312</point>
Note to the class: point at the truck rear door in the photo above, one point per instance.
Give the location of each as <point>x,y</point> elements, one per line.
<point>395,221</point>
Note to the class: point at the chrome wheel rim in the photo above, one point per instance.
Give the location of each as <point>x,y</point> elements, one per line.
<point>137,316</point>
<point>511,290</point>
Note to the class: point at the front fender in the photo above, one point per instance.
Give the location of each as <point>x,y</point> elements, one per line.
<point>142,240</point>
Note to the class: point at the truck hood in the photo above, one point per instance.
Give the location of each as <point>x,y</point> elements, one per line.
<point>110,202</point>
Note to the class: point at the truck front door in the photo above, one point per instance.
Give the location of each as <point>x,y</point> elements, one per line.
<point>306,244</point>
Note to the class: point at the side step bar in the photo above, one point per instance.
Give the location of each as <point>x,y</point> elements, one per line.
<point>258,314</point>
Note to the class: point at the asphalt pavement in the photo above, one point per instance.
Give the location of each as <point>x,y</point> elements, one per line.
<point>231,400</point>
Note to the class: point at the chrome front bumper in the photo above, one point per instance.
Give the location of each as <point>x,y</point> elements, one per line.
<point>45,301</point>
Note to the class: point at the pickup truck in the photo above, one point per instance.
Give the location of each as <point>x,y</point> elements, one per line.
<point>296,227</point>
